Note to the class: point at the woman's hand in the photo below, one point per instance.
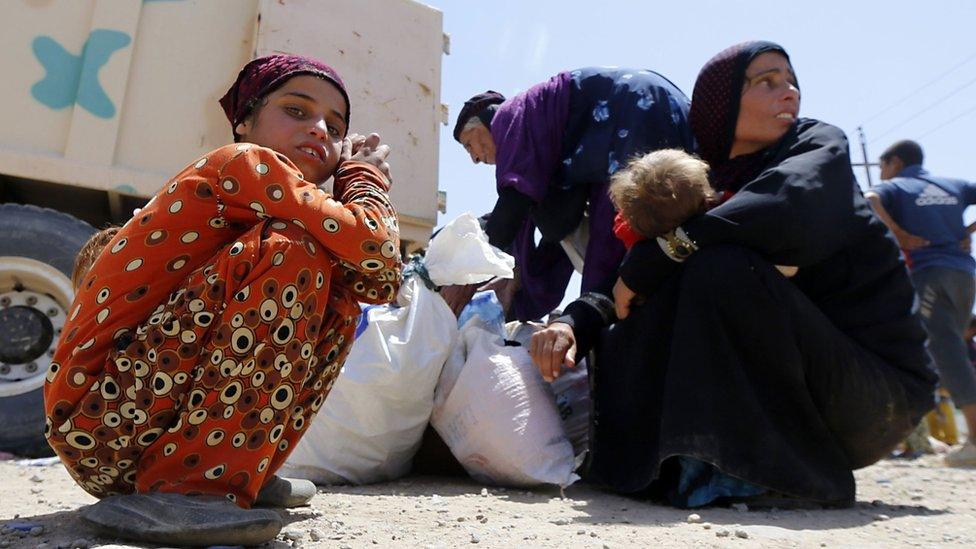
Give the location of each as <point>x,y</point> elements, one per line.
<point>623,298</point>
<point>552,348</point>
<point>366,149</point>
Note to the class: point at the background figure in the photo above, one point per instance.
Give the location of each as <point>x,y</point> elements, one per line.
<point>926,215</point>
<point>555,147</point>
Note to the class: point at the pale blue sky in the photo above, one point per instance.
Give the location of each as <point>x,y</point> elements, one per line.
<point>853,60</point>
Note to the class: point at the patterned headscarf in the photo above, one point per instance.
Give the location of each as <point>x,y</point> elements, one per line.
<point>265,74</point>
<point>477,106</point>
<point>715,111</point>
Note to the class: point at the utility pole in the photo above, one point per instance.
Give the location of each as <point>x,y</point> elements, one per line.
<point>864,155</point>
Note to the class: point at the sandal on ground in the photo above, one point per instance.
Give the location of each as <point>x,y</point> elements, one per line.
<point>286,492</point>
<point>176,519</point>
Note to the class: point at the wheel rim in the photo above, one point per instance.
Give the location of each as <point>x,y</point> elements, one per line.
<point>34,298</point>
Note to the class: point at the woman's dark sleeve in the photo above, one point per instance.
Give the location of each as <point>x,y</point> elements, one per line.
<point>797,212</point>
<point>588,316</point>
<point>510,211</point>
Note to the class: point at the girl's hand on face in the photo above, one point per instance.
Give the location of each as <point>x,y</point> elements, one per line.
<point>350,145</point>
<point>367,149</point>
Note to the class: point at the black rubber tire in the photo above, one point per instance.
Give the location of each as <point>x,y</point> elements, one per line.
<point>53,238</point>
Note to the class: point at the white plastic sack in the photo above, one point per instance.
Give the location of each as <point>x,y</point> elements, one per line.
<point>461,254</point>
<point>571,390</point>
<point>372,421</point>
<point>495,413</point>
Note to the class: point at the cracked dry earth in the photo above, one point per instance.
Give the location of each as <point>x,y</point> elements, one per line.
<point>916,503</point>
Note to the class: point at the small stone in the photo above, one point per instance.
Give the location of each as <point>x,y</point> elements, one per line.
<point>877,503</point>
<point>707,525</point>
<point>882,517</point>
<point>694,518</point>
<point>561,522</point>
<point>484,492</point>
<point>581,532</point>
<point>723,533</point>
<point>740,507</point>
<point>475,538</point>
<point>823,543</point>
<point>461,519</point>
<point>36,478</point>
<point>36,531</point>
<point>605,546</point>
<point>742,534</point>
<point>80,543</point>
<point>441,523</point>
<point>316,534</point>
<point>345,546</point>
<point>292,535</point>
<point>592,534</point>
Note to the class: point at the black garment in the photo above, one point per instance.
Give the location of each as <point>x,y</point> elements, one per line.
<point>786,383</point>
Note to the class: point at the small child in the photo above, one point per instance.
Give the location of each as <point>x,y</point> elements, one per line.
<point>657,192</point>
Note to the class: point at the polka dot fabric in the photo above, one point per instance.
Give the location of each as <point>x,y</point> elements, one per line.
<point>210,330</point>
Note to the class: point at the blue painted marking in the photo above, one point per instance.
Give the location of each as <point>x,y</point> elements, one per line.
<point>74,78</point>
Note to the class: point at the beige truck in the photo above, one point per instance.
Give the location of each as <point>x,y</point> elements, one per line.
<point>101,101</point>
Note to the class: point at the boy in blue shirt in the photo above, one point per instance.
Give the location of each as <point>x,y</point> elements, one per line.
<point>925,213</point>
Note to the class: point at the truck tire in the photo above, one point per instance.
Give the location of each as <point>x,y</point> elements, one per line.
<point>37,252</point>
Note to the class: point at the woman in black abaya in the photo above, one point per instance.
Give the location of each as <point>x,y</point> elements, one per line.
<point>726,379</point>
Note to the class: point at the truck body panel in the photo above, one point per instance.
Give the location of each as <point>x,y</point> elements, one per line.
<point>119,95</point>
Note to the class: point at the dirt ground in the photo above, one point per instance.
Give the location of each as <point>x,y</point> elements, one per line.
<point>900,504</point>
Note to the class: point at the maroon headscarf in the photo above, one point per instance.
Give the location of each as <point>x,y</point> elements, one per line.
<point>715,111</point>
<point>264,75</point>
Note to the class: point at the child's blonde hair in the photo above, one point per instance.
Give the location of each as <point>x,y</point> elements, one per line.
<point>660,190</point>
<point>89,253</point>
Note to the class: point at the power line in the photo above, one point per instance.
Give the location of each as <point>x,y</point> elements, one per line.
<point>920,88</point>
<point>955,118</point>
<point>924,110</point>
